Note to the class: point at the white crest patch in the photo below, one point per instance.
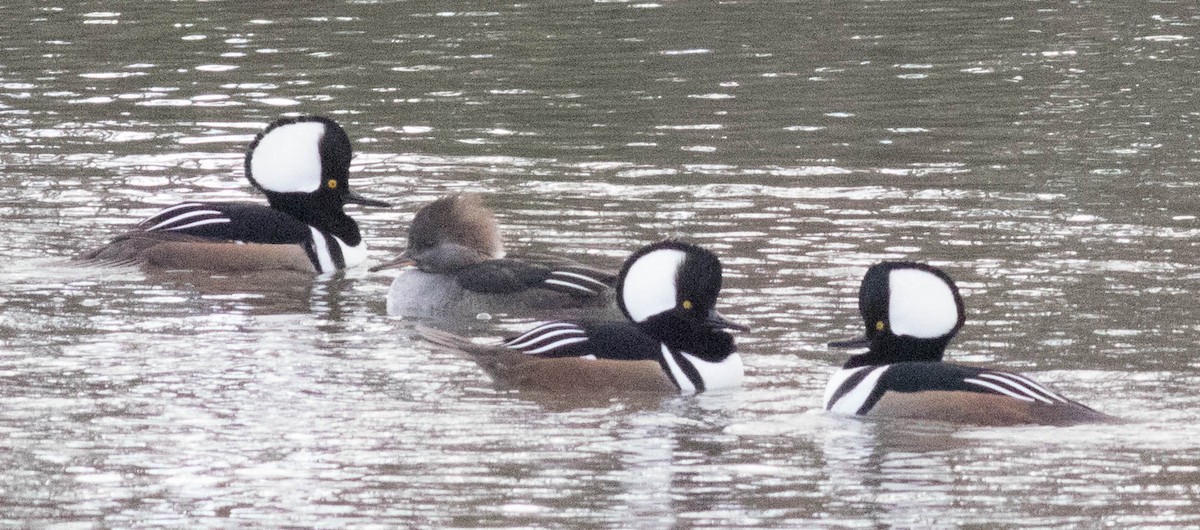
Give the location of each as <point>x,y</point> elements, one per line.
<point>649,287</point>
<point>288,159</point>
<point>921,304</point>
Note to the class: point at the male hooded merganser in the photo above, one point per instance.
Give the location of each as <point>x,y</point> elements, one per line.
<point>674,340</point>
<point>302,165</point>
<point>461,269</point>
<point>911,311</point>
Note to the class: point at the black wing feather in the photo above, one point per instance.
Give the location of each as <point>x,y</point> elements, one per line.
<point>501,276</point>
<point>919,376</point>
<point>252,223</point>
<point>513,275</point>
<point>603,340</point>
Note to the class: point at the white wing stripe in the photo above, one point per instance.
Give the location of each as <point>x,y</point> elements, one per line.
<point>183,216</point>
<point>550,334</point>
<point>1036,386</point>
<point>1016,385</point>
<point>1002,390</point>
<point>579,276</point>
<point>201,222</point>
<point>163,211</point>
<point>542,329</point>
<point>570,285</point>
<point>554,345</point>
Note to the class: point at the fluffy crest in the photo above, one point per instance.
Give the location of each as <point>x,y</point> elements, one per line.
<point>461,220</point>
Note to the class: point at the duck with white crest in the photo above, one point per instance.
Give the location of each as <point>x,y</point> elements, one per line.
<point>911,311</point>
<point>672,341</point>
<point>302,166</point>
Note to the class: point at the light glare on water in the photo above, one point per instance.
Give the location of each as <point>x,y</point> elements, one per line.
<point>1042,154</point>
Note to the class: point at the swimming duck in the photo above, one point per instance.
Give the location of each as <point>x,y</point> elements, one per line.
<point>461,269</point>
<point>911,312</point>
<point>672,341</point>
<point>302,165</point>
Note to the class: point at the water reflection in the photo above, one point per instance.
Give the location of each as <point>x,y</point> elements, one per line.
<point>1042,153</point>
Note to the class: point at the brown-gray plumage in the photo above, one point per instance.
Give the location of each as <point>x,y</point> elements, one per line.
<point>167,250</point>
<point>983,409</point>
<point>461,268</point>
<point>514,368</point>
<point>453,232</point>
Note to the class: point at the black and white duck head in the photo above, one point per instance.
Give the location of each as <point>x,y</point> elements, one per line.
<point>669,289</point>
<point>910,311</point>
<point>302,164</point>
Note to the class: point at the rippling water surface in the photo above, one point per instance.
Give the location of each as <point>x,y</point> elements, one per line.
<point>1044,153</point>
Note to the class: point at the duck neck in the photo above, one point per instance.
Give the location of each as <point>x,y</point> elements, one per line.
<point>323,212</point>
<point>890,349</point>
<point>704,342</point>
<point>446,257</point>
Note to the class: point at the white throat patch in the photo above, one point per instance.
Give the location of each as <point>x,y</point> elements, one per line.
<point>921,305</point>
<point>288,159</point>
<point>649,287</point>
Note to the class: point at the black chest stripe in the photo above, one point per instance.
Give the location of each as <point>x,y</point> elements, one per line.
<point>689,370</point>
<point>872,398</point>
<point>335,251</point>
<point>322,245</point>
<point>666,368</point>
<point>849,384</point>
<point>310,248</point>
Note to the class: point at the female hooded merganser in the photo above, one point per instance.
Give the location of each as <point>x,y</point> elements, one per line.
<point>911,311</point>
<point>461,269</point>
<point>302,165</point>
<point>674,340</point>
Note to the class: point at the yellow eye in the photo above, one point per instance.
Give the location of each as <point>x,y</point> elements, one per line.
<point>332,184</point>
<point>880,325</point>
<point>687,304</point>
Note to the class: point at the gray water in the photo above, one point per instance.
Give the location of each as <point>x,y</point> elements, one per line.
<point>1042,152</point>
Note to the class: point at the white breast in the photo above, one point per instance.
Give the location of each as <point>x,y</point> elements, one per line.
<point>352,255</point>
<point>852,401</point>
<point>725,374</point>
